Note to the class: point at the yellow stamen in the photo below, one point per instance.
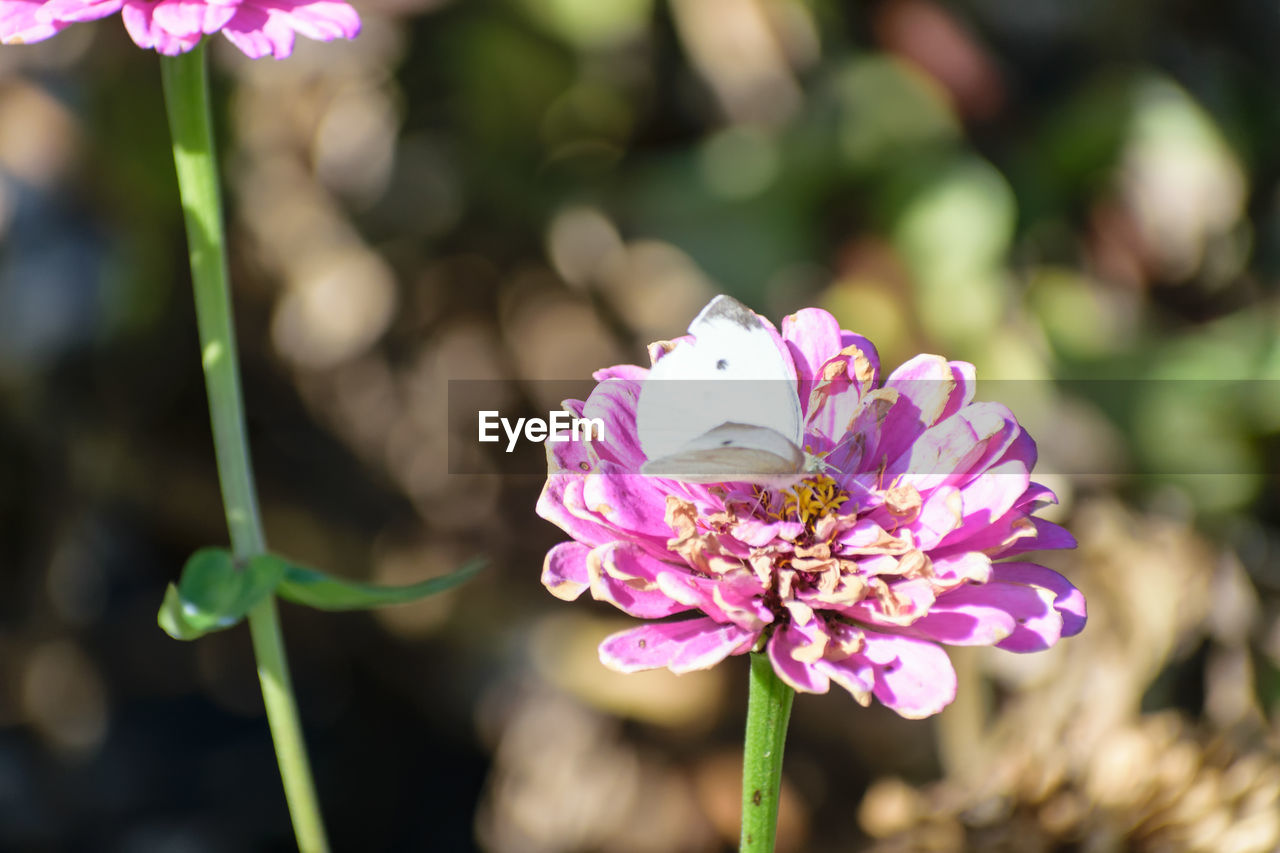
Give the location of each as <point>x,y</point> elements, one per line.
<point>813,498</point>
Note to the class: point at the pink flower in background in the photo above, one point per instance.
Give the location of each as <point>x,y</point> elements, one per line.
<point>858,575</point>
<point>258,27</point>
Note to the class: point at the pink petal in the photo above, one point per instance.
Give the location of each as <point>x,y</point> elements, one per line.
<point>940,514</point>
<point>1002,486</point>
<point>916,598</point>
<point>171,45</point>
<point>1036,497</point>
<point>20,24</point>
<point>1068,601</point>
<point>1020,452</point>
<point>960,628</point>
<point>1012,533</point>
<point>1044,535</point>
<point>624,575</point>
<point>571,457</point>
<point>966,385</point>
<point>928,382</point>
<point>185,18</point>
<point>614,402</point>
<point>863,537</point>
<point>679,646</point>
<point>736,598</point>
<point>564,571</point>
<point>913,677</point>
<point>849,339</point>
<point>179,18</point>
<point>146,33</point>
<point>834,403</point>
<point>561,504</point>
<point>985,615</point>
<point>1047,536</point>
<point>621,371</point>
<point>257,34</point>
<point>216,16</point>
<point>322,20</point>
<point>990,495</point>
<point>812,337</point>
<point>137,22</point>
<point>1015,617</point>
<point>955,449</point>
<point>859,451</point>
<point>564,499</point>
<point>855,674</point>
<point>68,11</point>
<point>929,389</point>
<point>1039,627</point>
<point>961,568</point>
<point>627,501</point>
<point>783,349</point>
<point>988,499</point>
<point>758,533</point>
<point>793,651</point>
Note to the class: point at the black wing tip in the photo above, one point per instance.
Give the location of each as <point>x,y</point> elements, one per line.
<point>728,308</point>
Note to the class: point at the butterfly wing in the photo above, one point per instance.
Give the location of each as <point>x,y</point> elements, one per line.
<point>733,453</point>
<point>732,372</point>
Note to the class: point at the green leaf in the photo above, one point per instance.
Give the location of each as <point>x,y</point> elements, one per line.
<point>172,619</point>
<point>316,589</point>
<point>214,593</point>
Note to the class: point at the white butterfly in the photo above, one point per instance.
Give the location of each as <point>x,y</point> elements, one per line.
<point>721,427</point>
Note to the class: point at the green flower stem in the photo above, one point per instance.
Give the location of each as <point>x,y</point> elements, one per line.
<point>186,91</point>
<point>768,712</point>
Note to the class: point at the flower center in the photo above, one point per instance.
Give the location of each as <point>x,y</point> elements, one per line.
<point>810,500</point>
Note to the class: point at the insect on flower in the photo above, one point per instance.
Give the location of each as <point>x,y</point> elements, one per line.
<point>857,570</point>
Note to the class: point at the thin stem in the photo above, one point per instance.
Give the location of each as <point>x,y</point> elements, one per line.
<point>286,729</point>
<point>186,90</point>
<point>768,712</point>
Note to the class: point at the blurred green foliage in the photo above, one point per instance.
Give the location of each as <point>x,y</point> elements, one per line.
<point>1080,196</point>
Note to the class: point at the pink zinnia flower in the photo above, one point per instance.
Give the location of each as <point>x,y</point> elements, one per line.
<point>857,575</point>
<point>258,27</point>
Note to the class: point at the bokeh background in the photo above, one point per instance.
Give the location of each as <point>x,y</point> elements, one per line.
<point>1080,195</point>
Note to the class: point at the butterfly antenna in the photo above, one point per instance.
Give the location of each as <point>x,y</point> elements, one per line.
<point>849,438</point>
<point>761,493</point>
